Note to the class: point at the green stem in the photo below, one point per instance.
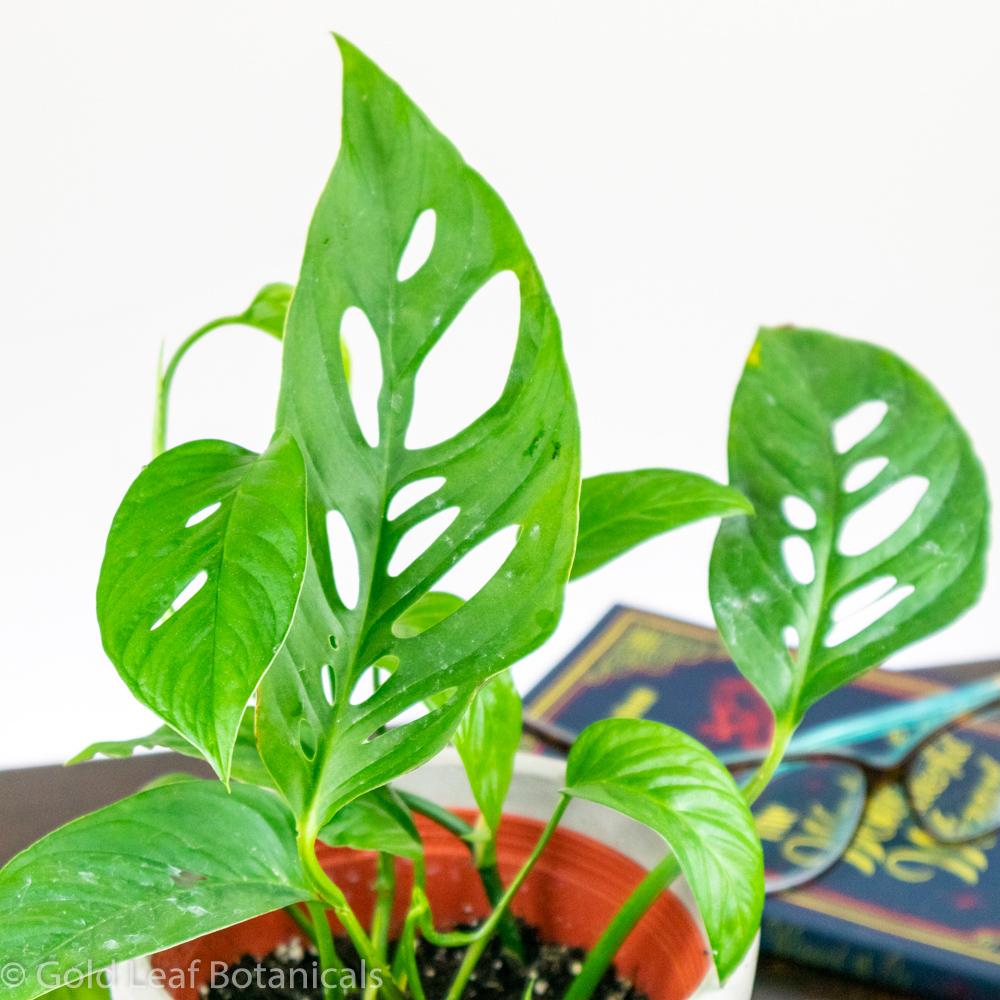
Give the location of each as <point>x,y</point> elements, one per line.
<point>385,894</point>
<point>599,960</point>
<point>475,950</point>
<point>329,961</point>
<point>600,957</point>
<point>304,924</point>
<point>330,894</point>
<point>165,379</point>
<point>486,866</point>
<point>485,855</point>
<point>763,775</point>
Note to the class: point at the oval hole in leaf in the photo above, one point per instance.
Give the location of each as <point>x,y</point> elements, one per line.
<point>860,475</point>
<point>469,365</point>
<point>199,581</point>
<point>419,539</point>
<point>478,566</point>
<point>329,684</point>
<point>798,513</point>
<point>419,245</point>
<point>364,686</point>
<point>881,517</point>
<point>344,557</point>
<point>790,636</point>
<point>412,493</point>
<point>798,559</point>
<point>857,424</point>
<point>859,599</point>
<point>202,515</point>
<point>850,626</point>
<point>366,370</point>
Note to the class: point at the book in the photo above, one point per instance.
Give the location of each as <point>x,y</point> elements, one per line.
<point>898,909</point>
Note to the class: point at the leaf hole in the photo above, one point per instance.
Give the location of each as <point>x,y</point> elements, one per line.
<point>192,588</point>
<point>877,520</point>
<point>329,681</point>
<point>468,365</point>
<point>863,608</point>
<point>202,515</point>
<point>419,539</point>
<point>365,685</point>
<point>860,475</point>
<point>344,558</point>
<point>790,637</point>
<point>411,494</point>
<point>857,424</point>
<point>798,513</point>
<point>798,558</point>
<point>418,246</point>
<point>479,565</point>
<point>362,344</point>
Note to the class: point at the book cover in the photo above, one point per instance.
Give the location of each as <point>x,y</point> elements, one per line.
<point>899,909</point>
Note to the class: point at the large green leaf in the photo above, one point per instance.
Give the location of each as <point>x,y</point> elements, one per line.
<point>797,386</point>
<point>198,665</point>
<point>671,783</point>
<point>144,874</point>
<point>516,464</point>
<point>246,763</point>
<point>619,510</point>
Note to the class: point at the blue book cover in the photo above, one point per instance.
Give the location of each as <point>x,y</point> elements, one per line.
<point>899,909</point>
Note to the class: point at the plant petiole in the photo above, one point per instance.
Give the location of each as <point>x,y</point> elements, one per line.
<point>329,961</point>
<point>475,950</point>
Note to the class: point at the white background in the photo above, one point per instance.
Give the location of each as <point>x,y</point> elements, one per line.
<point>683,171</point>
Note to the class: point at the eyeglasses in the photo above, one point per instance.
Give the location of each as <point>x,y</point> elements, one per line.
<point>943,752</point>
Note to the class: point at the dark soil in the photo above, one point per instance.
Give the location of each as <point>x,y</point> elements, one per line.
<point>290,973</point>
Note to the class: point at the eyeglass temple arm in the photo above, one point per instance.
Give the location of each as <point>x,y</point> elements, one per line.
<point>915,718</point>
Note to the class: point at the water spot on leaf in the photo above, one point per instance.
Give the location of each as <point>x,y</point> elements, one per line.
<point>344,558</point>
<point>880,518</point>
<point>798,559</point>
<point>419,246</point>
<point>798,513</point>
<point>468,365</point>
<point>366,370</point>
<point>412,493</point>
<point>186,879</point>
<point>419,539</point>
<point>202,515</point>
<point>853,427</point>
<point>860,475</point>
<point>192,588</point>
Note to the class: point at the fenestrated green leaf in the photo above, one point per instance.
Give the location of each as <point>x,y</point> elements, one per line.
<point>671,783</point>
<point>214,513</point>
<point>487,740</point>
<point>269,309</point>
<point>246,764</point>
<point>144,874</point>
<point>377,821</point>
<point>796,386</point>
<point>620,510</point>
<point>516,464</point>
<point>91,988</point>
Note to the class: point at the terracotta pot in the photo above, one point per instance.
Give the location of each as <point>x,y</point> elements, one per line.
<point>575,888</point>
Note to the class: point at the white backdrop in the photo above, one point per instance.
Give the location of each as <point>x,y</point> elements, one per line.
<point>683,171</point>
